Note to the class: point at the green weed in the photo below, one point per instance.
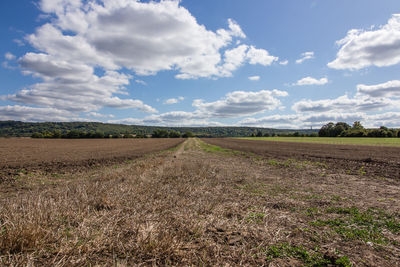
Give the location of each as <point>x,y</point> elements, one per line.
<point>308,257</point>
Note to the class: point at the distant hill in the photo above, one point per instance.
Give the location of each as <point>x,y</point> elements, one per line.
<point>26,129</point>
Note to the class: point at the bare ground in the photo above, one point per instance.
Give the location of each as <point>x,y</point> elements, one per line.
<point>25,155</point>
<point>382,161</point>
<point>202,205</point>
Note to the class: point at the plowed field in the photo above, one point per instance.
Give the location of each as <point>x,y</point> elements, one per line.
<point>25,155</point>
<point>370,160</point>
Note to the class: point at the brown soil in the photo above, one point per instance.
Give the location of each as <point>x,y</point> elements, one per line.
<point>25,155</point>
<point>200,206</point>
<point>380,161</point>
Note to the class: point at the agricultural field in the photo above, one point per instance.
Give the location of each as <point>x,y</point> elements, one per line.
<point>208,202</point>
<point>25,155</point>
<point>365,141</point>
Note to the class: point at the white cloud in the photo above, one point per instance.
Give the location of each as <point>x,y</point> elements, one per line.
<point>140,82</point>
<point>389,119</point>
<point>130,121</point>
<point>303,121</point>
<point>83,38</point>
<point>174,118</point>
<point>364,48</point>
<point>254,78</point>
<point>305,56</point>
<point>233,59</point>
<point>279,121</point>
<point>388,89</point>
<point>358,103</point>
<point>143,37</point>
<point>235,104</point>
<point>73,86</point>
<point>260,56</point>
<point>9,56</point>
<point>311,81</point>
<point>99,115</point>
<point>284,62</point>
<point>19,42</point>
<point>240,103</point>
<point>236,57</point>
<point>174,100</point>
<point>23,113</point>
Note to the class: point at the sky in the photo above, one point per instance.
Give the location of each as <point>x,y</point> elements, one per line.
<point>265,63</point>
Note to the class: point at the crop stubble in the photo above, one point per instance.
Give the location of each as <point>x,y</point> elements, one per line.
<point>203,206</point>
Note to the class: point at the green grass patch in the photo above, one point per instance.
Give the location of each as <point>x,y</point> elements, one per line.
<point>307,257</point>
<point>212,148</point>
<point>333,140</point>
<point>351,224</point>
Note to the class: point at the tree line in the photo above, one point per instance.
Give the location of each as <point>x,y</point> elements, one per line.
<point>342,129</point>
<point>75,134</point>
<point>27,129</point>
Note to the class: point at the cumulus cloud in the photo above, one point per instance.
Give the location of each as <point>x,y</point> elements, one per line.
<point>85,48</point>
<point>359,103</point>
<point>140,82</point>
<point>363,48</point>
<point>284,62</point>
<point>236,57</point>
<point>254,78</point>
<point>144,37</point>
<point>305,56</point>
<point>174,118</point>
<point>240,103</point>
<point>72,86</point>
<point>388,89</point>
<point>311,81</point>
<point>260,56</point>
<point>99,115</point>
<point>279,121</point>
<point>9,56</point>
<point>234,105</point>
<point>301,121</point>
<point>23,113</point>
<point>174,100</point>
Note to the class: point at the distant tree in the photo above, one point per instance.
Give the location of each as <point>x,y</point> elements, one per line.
<point>340,128</point>
<point>188,135</point>
<point>174,134</point>
<point>99,135</point>
<point>160,134</point>
<point>56,134</point>
<point>377,133</point>
<point>266,135</point>
<point>326,130</point>
<point>398,134</point>
<point>358,126</point>
<point>73,134</point>
<point>37,135</point>
<point>259,134</point>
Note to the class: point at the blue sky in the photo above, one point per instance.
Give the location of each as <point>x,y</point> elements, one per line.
<point>283,64</point>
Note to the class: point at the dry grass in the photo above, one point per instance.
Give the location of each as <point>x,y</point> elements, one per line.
<point>192,207</point>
